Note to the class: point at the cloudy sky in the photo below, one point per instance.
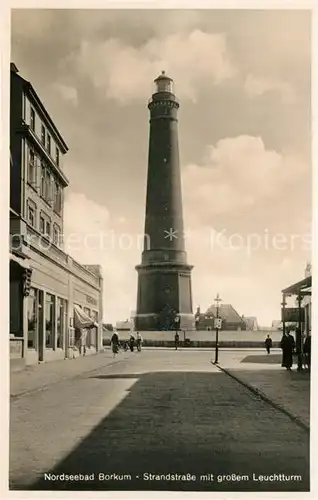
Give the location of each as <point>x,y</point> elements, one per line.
<point>243,79</point>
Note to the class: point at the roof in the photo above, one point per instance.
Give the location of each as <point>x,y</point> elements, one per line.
<point>37,101</point>
<point>299,287</point>
<point>250,320</point>
<point>226,312</point>
<point>163,76</point>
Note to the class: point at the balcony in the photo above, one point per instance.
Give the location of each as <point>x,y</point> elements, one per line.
<point>26,129</point>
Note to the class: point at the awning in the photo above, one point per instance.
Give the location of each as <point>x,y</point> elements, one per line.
<point>22,262</point>
<point>82,320</point>
<point>300,287</point>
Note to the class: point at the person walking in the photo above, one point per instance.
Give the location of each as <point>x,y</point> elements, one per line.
<point>287,345</point>
<point>176,340</point>
<point>268,344</point>
<point>115,343</point>
<point>138,341</point>
<point>132,342</point>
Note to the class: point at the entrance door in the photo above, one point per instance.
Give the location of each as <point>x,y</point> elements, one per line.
<point>41,325</point>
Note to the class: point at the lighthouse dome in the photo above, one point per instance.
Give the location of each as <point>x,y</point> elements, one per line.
<point>164,83</point>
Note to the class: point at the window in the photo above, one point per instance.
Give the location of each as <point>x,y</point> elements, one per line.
<point>48,144</point>
<point>57,198</point>
<point>31,213</point>
<point>32,318</point>
<point>42,225</point>
<point>43,134</point>
<point>32,168</point>
<point>57,156</point>
<point>47,228</point>
<point>32,119</point>
<point>49,321</point>
<point>56,235</point>
<point>48,183</point>
<point>45,225</point>
<point>43,174</point>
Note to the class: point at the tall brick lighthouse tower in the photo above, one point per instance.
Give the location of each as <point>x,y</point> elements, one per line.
<point>164,299</point>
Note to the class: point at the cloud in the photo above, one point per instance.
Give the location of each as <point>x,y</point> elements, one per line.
<point>67,93</point>
<point>256,86</point>
<point>125,73</point>
<point>92,238</point>
<point>237,173</point>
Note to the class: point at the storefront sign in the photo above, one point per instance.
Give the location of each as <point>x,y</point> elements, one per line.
<point>291,315</point>
<point>90,300</point>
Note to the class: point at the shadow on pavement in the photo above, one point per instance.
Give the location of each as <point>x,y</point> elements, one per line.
<point>200,424</point>
<point>117,375</point>
<point>263,358</point>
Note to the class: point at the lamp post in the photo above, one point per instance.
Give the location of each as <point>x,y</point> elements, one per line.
<point>217,327</point>
<point>299,336</point>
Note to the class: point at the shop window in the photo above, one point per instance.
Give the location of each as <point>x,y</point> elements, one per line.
<point>61,311</point>
<point>32,312</point>
<point>49,321</point>
<point>88,330</point>
<point>94,336</point>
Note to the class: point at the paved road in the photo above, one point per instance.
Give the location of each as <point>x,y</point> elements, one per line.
<point>157,412</point>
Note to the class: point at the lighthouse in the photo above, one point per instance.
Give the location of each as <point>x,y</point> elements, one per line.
<point>164,296</point>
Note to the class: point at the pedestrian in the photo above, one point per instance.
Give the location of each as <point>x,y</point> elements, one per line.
<point>268,344</point>
<point>287,345</point>
<point>138,341</point>
<point>176,340</point>
<point>307,351</point>
<point>132,342</point>
<point>115,343</point>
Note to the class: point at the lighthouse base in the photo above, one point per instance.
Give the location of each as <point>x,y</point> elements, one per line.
<point>164,297</point>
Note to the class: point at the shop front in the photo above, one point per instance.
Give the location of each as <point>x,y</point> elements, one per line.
<point>20,275</point>
<point>299,316</point>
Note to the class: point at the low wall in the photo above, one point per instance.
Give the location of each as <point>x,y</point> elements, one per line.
<point>205,339</point>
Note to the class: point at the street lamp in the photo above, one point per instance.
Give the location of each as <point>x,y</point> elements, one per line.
<point>217,324</point>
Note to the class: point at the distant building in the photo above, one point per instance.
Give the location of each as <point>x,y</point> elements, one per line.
<point>251,323</point>
<point>124,326</point>
<point>231,320</point>
<point>46,284</point>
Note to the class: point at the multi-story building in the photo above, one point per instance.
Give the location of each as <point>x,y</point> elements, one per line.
<point>45,282</point>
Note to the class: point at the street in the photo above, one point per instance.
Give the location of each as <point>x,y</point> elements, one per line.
<point>157,420</point>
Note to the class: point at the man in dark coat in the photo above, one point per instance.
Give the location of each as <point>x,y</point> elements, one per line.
<point>176,340</point>
<point>115,343</point>
<point>268,344</point>
<point>287,345</point>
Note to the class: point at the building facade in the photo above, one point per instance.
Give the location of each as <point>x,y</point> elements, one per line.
<point>45,282</point>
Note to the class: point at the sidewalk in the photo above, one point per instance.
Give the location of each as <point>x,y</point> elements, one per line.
<point>288,390</point>
<point>37,377</point>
